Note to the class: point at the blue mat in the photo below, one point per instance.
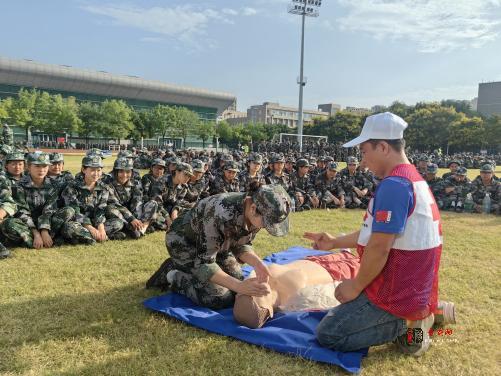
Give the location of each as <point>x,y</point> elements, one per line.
<point>291,333</point>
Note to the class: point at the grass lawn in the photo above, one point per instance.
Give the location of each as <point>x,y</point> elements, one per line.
<point>77,310</point>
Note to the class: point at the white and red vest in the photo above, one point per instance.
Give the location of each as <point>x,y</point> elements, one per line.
<point>407,286</point>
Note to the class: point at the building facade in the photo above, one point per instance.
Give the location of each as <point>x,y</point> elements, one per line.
<point>274,113</point>
<point>489,98</point>
<point>330,108</point>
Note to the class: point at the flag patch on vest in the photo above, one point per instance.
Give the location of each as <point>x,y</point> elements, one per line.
<point>383,216</point>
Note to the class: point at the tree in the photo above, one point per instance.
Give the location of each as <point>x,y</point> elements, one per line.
<point>186,122</point>
<point>206,130</point>
<point>5,109</point>
<point>492,133</point>
<point>116,119</point>
<point>467,134</point>
<point>55,114</point>
<point>22,109</point>
<point>342,126</point>
<point>224,132</point>
<point>161,119</point>
<point>90,116</point>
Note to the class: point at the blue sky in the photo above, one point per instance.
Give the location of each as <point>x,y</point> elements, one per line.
<point>358,52</point>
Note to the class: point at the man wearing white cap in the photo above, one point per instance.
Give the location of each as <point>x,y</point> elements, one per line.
<point>394,294</point>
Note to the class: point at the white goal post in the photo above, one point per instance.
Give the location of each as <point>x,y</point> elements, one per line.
<point>292,137</point>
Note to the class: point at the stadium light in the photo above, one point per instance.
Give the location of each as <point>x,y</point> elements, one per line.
<point>304,8</point>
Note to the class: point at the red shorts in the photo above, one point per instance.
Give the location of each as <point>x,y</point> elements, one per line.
<point>340,265</point>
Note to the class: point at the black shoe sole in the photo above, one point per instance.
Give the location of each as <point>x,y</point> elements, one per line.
<point>159,278</point>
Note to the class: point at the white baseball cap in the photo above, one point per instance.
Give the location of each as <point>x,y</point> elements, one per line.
<point>383,126</point>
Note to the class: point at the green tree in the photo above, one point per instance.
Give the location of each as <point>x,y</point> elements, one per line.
<point>467,134</point>
<point>224,132</point>
<point>23,108</point>
<point>342,126</point>
<point>186,122</point>
<point>116,119</point>
<point>90,116</point>
<point>5,109</point>
<point>492,132</point>
<point>206,130</point>
<point>55,114</point>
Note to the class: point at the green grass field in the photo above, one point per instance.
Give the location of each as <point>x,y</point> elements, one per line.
<point>77,310</point>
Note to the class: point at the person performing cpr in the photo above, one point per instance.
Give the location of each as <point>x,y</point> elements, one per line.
<point>400,245</point>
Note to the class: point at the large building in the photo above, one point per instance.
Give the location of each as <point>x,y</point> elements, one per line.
<point>86,85</point>
<point>330,108</point>
<point>274,113</point>
<point>489,98</point>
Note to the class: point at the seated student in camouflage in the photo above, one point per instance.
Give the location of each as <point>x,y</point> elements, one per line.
<point>453,167</point>
<point>38,222</point>
<point>57,175</point>
<point>252,172</point>
<point>4,150</point>
<point>89,197</point>
<point>456,187</point>
<point>135,214</point>
<point>227,182</point>
<point>483,184</point>
<point>329,188</point>
<point>170,190</point>
<point>157,171</point>
<point>302,188</point>
<point>208,243</point>
<point>8,208</point>
<point>197,189</point>
<point>422,165</point>
<point>435,183</point>
<point>277,175</point>
<point>290,163</point>
<point>356,186</point>
<point>14,167</point>
<point>136,176</point>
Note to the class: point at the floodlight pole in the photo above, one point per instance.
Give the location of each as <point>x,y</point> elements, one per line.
<point>301,85</point>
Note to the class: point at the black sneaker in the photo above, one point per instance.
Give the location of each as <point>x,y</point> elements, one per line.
<point>416,341</point>
<point>159,278</point>
<point>119,235</point>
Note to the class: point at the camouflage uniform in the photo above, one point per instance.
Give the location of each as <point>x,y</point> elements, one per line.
<point>169,196</point>
<point>302,185</point>
<point>37,209</point>
<point>221,185</point>
<point>436,184</point>
<point>327,189</point>
<point>358,180</point>
<point>8,204</point>
<point>244,177</point>
<point>455,199</point>
<point>283,180</point>
<point>213,235</point>
<point>148,181</point>
<point>130,198</point>
<point>479,190</point>
<point>90,206</point>
<point>198,189</point>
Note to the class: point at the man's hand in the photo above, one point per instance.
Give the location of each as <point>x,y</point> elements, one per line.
<point>347,290</point>
<point>136,224</point>
<point>253,287</point>
<point>321,240</point>
<point>262,272</point>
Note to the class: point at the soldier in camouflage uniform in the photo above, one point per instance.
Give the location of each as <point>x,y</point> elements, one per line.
<point>228,181</point>
<point>435,183</point>
<point>207,244</point>
<point>422,165</point>
<point>329,188</point>
<point>453,166</point>
<point>8,208</point>
<point>197,189</point>
<point>135,215</point>
<point>14,167</point>
<point>170,190</point>
<point>456,187</point>
<point>277,176</point>
<point>4,150</point>
<point>252,173</point>
<point>355,186</point>
<point>157,171</point>
<point>89,197</point>
<point>59,178</point>
<point>483,184</point>
<point>136,175</point>
<point>38,221</point>
<point>302,188</point>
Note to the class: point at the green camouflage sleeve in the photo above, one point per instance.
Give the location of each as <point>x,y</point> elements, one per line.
<point>49,209</point>
<point>24,211</point>
<point>7,202</point>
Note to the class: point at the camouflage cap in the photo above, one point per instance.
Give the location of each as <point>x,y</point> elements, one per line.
<point>5,149</point>
<point>15,155</point>
<point>198,165</point>
<point>328,159</point>
<point>255,157</point>
<point>39,158</point>
<point>277,158</point>
<point>94,151</point>
<point>274,203</point>
<point>423,158</point>
<point>432,168</point>
<point>454,161</point>
<point>184,167</point>
<point>125,154</point>
<point>227,157</point>
<point>92,161</point>
<point>56,157</point>
<point>231,166</point>
<point>290,160</point>
<point>332,166</point>
<point>462,171</point>
<point>351,160</point>
<point>123,163</point>
<point>320,158</point>
<point>158,162</point>
<point>302,163</point>
<point>487,167</point>
<point>173,160</point>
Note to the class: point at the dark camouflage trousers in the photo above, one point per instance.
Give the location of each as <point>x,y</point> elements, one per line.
<point>62,225</point>
<point>205,294</point>
<point>115,220</point>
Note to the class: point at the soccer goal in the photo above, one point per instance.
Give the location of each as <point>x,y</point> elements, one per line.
<point>292,137</point>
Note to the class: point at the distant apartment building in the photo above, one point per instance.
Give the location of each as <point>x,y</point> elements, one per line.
<point>233,116</point>
<point>358,110</point>
<point>474,104</point>
<point>378,108</point>
<point>330,108</point>
<point>274,113</point>
<point>489,98</point>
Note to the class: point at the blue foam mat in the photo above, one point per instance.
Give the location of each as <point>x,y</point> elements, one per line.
<point>291,333</point>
